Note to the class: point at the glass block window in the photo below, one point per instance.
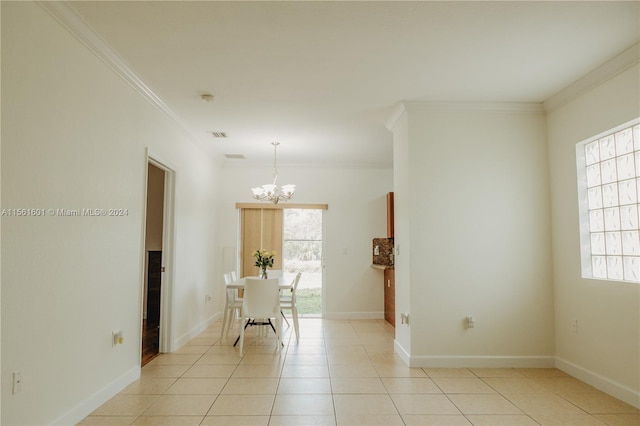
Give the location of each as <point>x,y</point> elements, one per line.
<point>609,190</point>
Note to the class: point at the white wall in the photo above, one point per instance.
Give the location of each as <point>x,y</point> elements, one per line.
<point>74,135</point>
<point>356,215</point>
<point>402,229</point>
<point>477,209</point>
<point>606,349</point>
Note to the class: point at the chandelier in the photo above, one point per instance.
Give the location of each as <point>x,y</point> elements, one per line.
<point>271,192</point>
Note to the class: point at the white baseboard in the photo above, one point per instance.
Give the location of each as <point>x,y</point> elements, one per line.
<point>184,339</point>
<point>465,361</point>
<point>613,388</point>
<point>402,353</point>
<point>90,404</point>
<point>353,315</point>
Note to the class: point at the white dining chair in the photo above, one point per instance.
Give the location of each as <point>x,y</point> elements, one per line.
<point>232,306</point>
<point>261,301</point>
<point>288,302</point>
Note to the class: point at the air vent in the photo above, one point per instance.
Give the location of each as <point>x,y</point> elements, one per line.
<point>235,156</point>
<point>219,134</point>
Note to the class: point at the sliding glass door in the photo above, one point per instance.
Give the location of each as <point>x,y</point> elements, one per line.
<point>302,252</point>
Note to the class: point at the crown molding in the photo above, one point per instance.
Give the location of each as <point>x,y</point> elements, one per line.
<point>621,62</point>
<point>75,24</point>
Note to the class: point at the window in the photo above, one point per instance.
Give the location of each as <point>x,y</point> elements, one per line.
<point>609,190</point>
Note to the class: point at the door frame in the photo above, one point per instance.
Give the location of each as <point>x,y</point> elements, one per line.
<point>168,252</point>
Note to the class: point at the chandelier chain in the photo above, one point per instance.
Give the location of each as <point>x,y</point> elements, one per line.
<point>275,161</point>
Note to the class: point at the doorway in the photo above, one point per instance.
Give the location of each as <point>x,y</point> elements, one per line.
<point>152,295</point>
<point>158,258</point>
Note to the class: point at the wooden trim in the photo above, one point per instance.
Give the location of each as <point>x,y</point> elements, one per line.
<point>281,206</point>
<point>390,219</point>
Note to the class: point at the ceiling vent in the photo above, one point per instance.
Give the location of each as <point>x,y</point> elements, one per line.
<point>235,156</point>
<point>219,134</point>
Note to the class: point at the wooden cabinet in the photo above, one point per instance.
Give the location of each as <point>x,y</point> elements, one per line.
<point>390,296</point>
<point>390,227</point>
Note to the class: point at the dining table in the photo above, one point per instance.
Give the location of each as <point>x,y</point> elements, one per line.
<point>283,284</point>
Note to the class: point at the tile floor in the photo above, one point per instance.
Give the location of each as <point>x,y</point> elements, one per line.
<point>345,373</point>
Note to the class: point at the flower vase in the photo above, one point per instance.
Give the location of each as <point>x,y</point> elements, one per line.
<point>263,273</point>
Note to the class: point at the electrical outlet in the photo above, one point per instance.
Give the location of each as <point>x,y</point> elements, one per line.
<point>117,337</point>
<point>17,382</point>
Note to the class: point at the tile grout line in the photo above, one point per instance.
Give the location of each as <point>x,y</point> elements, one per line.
<point>326,355</point>
<point>505,397</point>
<point>279,375</point>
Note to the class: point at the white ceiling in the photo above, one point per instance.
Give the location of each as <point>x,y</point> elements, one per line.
<point>323,77</point>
